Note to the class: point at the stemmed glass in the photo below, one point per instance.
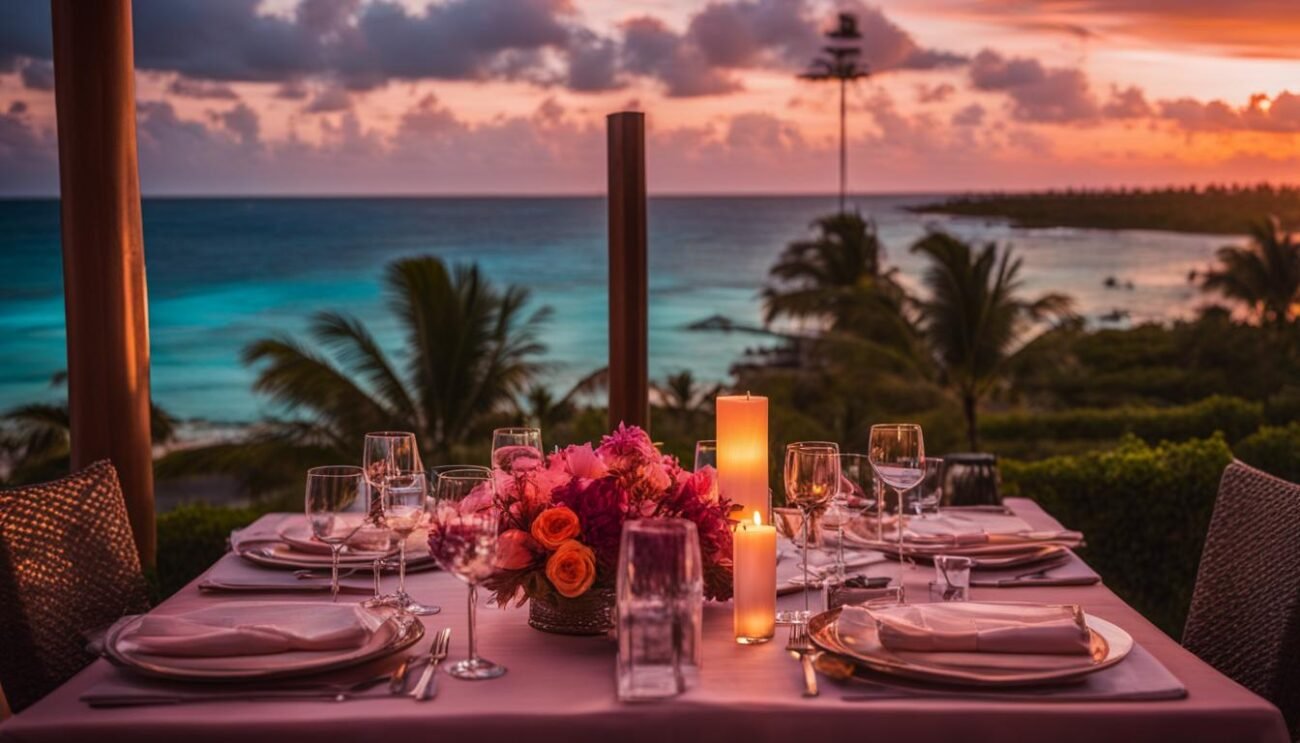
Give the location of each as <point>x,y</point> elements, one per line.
<point>930,494</point>
<point>405,495</point>
<point>463,539</point>
<point>812,477</point>
<point>706,454</point>
<point>335,504</point>
<point>897,454</point>
<point>388,453</point>
<point>517,449</point>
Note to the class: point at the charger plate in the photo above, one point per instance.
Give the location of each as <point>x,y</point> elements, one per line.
<point>390,631</point>
<point>1109,645</point>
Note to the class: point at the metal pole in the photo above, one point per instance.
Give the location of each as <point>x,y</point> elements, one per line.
<point>843,153</point>
<point>103,251</point>
<point>629,381</point>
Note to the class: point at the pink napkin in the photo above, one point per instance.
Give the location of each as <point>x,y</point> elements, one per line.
<point>984,627</point>
<point>249,629</point>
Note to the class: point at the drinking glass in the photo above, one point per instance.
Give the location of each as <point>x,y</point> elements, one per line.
<point>433,473</point>
<point>897,454</point>
<point>386,453</point>
<point>706,454</point>
<point>660,608</point>
<point>405,495</point>
<point>860,491</point>
<point>517,449</point>
<point>812,477</point>
<point>463,539</point>
<point>929,495</point>
<point>335,504</point>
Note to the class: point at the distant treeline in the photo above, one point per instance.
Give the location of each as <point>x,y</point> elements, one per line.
<point>1221,209</point>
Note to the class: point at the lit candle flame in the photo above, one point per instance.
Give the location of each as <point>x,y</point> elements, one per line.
<point>758,520</point>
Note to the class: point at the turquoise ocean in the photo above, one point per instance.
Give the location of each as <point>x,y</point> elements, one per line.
<point>223,272</point>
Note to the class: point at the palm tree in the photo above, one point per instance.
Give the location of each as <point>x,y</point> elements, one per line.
<point>36,438</point>
<point>974,319</point>
<point>469,352</point>
<point>838,281</point>
<point>680,395</point>
<point>1264,275</point>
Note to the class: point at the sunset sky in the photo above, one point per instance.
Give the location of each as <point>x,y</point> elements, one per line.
<point>508,96</point>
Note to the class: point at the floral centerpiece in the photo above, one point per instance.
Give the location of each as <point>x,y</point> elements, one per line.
<point>562,521</point>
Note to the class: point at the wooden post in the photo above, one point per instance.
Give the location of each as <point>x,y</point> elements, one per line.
<point>629,379</point>
<point>103,250</point>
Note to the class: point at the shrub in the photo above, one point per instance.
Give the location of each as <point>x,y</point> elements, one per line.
<point>1234,417</point>
<point>191,538</point>
<point>1144,511</point>
<point>1274,449</point>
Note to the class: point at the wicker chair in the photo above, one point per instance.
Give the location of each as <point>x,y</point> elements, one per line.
<point>1245,613</point>
<point>68,565</point>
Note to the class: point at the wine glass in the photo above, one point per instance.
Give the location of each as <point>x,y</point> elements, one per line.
<point>386,452</point>
<point>335,504</point>
<point>433,473</point>
<point>897,454</point>
<point>706,454</point>
<point>812,477</point>
<point>517,449</point>
<point>930,493</point>
<point>405,495</point>
<point>463,539</point>
<point>858,488</point>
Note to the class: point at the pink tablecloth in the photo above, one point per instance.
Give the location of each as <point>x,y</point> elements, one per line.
<point>562,689</point>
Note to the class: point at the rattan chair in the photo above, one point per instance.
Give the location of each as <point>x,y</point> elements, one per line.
<point>68,565</point>
<point>1245,614</point>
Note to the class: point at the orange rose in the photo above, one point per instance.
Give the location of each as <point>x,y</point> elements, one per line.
<point>572,569</point>
<point>555,525</point>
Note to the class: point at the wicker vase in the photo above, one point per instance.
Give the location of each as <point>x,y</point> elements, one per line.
<point>590,614</point>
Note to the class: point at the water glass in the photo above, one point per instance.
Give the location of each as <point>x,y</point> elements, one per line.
<point>660,608</point>
<point>517,449</point>
<point>463,539</point>
<point>385,453</point>
<point>335,504</point>
<point>929,494</point>
<point>706,454</point>
<point>812,478</point>
<point>405,495</point>
<point>951,578</point>
<point>897,454</point>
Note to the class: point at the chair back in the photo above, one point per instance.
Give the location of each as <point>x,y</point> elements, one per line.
<point>1245,613</point>
<point>68,566</point>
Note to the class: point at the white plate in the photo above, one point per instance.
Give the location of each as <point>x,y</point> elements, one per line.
<point>1110,645</point>
<point>389,632</point>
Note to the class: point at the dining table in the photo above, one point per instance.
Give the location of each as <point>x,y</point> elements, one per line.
<point>562,689</point>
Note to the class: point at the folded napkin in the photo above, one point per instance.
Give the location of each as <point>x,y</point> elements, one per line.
<point>965,627</point>
<point>249,629</point>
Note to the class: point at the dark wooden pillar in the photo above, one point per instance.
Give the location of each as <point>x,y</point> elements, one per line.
<point>629,379</point>
<point>103,250</point>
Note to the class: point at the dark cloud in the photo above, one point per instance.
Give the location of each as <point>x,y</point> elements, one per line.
<point>242,122</point>
<point>1038,94</point>
<point>751,33</point>
<point>651,48</point>
<point>886,46</point>
<point>593,62</point>
<point>292,90</point>
<point>1126,103</point>
<point>1280,113</point>
<point>328,100</point>
<point>38,74</point>
<point>18,107</point>
<point>934,93</point>
<point>972,115</point>
<point>24,33</point>
<point>190,88</point>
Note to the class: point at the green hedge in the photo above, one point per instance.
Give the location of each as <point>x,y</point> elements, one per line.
<point>1234,417</point>
<point>191,538</point>
<point>1274,449</point>
<point>1143,509</point>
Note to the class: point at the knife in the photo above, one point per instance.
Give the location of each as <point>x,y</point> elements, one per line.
<point>426,688</point>
<point>1072,580</point>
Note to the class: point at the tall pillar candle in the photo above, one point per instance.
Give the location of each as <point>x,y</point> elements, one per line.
<point>742,453</point>
<point>754,566</point>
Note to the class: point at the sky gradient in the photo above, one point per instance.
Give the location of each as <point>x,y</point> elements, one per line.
<point>508,96</point>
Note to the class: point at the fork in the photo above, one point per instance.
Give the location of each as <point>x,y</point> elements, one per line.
<point>801,648</point>
<point>427,687</point>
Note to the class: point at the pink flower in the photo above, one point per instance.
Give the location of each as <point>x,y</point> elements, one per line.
<point>517,458</point>
<point>480,498</point>
<point>656,476</point>
<point>582,461</point>
<point>514,550</point>
<point>601,506</point>
<point>702,484</point>
<point>626,448</point>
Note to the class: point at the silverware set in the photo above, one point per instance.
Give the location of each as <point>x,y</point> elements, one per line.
<point>801,648</point>
<point>426,688</point>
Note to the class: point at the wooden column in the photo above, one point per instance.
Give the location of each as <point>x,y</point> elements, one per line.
<point>629,379</point>
<point>103,250</point>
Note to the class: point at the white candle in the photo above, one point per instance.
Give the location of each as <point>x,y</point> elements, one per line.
<point>754,572</point>
<point>742,453</point>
